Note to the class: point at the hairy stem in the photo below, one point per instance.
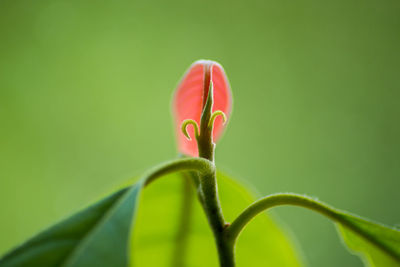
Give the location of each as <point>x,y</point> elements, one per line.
<point>290,199</point>
<point>271,201</point>
<point>203,166</point>
<point>213,210</point>
<point>208,181</point>
<point>204,176</point>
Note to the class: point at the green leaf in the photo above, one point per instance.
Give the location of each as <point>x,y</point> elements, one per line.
<point>378,245</point>
<point>96,236</point>
<point>263,243</point>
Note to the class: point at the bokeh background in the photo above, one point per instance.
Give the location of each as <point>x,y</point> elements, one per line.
<point>85,90</point>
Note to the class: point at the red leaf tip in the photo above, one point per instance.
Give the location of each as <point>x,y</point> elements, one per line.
<point>191,95</point>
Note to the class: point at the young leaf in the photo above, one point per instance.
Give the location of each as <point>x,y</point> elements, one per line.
<point>190,96</point>
<point>378,245</point>
<point>157,230</point>
<point>96,236</point>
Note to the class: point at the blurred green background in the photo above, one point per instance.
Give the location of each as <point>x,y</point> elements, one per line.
<point>85,90</point>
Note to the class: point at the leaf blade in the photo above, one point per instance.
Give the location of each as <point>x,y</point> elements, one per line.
<point>55,245</point>
<point>153,238</point>
<point>376,244</point>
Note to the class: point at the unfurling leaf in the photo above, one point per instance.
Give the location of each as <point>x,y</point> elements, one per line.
<point>191,95</point>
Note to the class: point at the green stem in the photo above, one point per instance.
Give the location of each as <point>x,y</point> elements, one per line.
<point>233,231</point>
<point>208,195</point>
<point>203,166</point>
<point>339,216</point>
<point>213,210</point>
<point>208,182</point>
